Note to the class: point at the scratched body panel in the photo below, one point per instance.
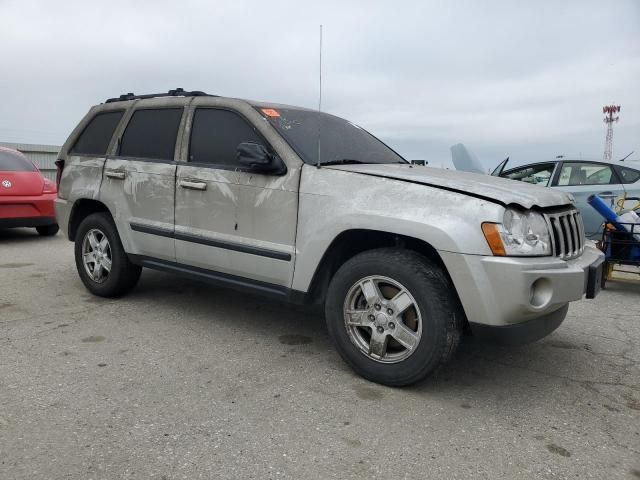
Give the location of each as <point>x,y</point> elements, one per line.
<point>209,214</point>
<point>267,218</point>
<point>333,201</point>
<point>500,189</point>
<point>239,208</point>
<point>82,175</point>
<point>85,176</point>
<point>145,197</point>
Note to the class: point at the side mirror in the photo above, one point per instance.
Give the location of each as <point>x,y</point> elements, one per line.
<point>419,162</point>
<point>257,157</point>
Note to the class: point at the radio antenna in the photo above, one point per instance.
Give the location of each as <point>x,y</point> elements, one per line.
<point>624,158</point>
<point>319,96</point>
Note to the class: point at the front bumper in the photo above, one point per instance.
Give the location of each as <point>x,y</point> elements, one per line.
<point>512,291</point>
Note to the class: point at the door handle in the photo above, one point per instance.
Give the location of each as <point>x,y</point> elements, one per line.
<point>607,195</point>
<point>117,174</point>
<point>193,184</point>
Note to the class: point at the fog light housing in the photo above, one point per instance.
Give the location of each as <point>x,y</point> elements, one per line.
<point>540,293</point>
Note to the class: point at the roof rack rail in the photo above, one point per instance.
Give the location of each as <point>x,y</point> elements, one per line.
<point>178,92</point>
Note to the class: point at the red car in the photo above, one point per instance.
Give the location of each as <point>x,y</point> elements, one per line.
<point>26,196</point>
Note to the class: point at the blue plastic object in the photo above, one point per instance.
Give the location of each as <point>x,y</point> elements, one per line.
<point>619,247</point>
<point>603,209</point>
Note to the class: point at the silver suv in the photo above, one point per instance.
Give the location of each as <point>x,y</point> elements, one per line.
<point>310,208</point>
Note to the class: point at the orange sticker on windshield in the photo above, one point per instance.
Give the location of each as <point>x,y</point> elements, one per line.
<point>270,112</point>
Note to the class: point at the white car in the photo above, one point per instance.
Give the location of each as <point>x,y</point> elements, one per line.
<point>611,181</point>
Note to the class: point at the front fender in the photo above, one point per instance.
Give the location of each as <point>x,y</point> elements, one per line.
<point>333,202</point>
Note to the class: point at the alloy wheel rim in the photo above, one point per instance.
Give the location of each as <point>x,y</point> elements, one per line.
<point>96,255</point>
<point>382,319</point>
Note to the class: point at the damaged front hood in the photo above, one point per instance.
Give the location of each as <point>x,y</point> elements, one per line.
<point>495,189</point>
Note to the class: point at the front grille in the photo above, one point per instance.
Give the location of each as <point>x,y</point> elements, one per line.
<point>567,233</point>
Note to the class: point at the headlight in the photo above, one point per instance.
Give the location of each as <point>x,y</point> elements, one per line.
<point>522,234</point>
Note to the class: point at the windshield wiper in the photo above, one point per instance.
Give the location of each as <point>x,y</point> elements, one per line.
<point>343,161</point>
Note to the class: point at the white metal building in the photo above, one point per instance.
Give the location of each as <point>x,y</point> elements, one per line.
<point>44,156</point>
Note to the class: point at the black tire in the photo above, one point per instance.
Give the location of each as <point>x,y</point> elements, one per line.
<point>48,230</point>
<point>434,294</point>
<point>123,275</point>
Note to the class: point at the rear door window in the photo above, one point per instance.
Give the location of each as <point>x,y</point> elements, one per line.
<point>629,175</point>
<point>152,134</point>
<point>216,134</point>
<point>13,162</point>
<point>95,138</point>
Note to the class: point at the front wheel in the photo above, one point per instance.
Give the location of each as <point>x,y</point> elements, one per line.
<point>394,315</point>
<point>102,263</point>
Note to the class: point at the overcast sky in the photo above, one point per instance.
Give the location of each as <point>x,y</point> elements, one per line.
<point>525,79</point>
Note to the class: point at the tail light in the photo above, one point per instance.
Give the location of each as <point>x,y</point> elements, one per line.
<point>49,186</point>
<point>59,168</point>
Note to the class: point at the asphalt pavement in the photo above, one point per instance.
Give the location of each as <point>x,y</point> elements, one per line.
<point>181,380</point>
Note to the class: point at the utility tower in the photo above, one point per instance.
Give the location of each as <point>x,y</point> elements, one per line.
<point>609,119</point>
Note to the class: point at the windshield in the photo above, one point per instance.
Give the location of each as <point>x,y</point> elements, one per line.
<point>340,140</point>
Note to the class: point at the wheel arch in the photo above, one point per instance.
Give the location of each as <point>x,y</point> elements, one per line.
<point>82,208</point>
<point>351,242</point>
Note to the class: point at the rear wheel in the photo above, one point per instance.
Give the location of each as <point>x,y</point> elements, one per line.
<point>48,230</point>
<point>394,316</point>
<point>101,261</point>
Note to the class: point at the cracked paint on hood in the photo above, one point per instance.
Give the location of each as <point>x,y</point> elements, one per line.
<point>498,190</point>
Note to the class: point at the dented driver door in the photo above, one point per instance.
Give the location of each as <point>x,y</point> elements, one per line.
<point>228,220</point>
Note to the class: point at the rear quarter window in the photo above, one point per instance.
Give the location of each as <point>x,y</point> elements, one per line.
<point>13,162</point>
<point>96,136</point>
<point>629,175</point>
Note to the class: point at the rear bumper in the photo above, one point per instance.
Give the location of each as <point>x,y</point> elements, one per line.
<point>27,222</point>
<point>63,212</point>
<point>27,211</point>
<point>521,297</point>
